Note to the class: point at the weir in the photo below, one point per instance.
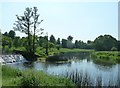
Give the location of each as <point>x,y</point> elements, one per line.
<point>16,58</point>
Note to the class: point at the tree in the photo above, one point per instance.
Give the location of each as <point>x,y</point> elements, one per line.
<point>24,23</point>
<point>28,24</point>
<point>51,45</point>
<point>6,34</point>
<point>76,44</point>
<point>52,39</point>
<point>16,42</point>
<point>11,34</point>
<point>58,44</point>
<point>118,46</point>
<point>58,41</point>
<point>90,44</point>
<point>106,42</point>
<point>36,23</point>
<point>6,41</point>
<point>64,43</point>
<point>70,38</point>
<point>42,41</point>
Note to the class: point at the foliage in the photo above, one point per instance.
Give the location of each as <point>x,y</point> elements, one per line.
<point>11,34</point>
<point>106,57</point>
<point>51,45</point>
<point>52,39</point>
<point>64,43</point>
<point>30,79</point>
<point>58,41</point>
<point>105,43</point>
<point>58,47</point>
<point>6,43</point>
<point>17,42</point>
<point>118,46</point>
<point>80,44</point>
<point>70,38</point>
<point>26,23</point>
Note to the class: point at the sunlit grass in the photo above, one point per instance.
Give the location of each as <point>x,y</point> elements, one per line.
<point>15,77</point>
<point>106,56</point>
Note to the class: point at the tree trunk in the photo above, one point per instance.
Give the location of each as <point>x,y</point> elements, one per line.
<point>29,42</point>
<point>34,39</point>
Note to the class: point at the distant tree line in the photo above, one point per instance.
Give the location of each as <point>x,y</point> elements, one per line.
<point>101,43</point>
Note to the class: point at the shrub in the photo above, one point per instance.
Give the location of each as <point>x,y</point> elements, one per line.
<point>30,79</point>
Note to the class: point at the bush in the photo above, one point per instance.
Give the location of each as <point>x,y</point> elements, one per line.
<point>30,79</point>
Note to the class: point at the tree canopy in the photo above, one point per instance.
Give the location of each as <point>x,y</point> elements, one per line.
<point>52,39</point>
<point>28,24</point>
<point>106,42</point>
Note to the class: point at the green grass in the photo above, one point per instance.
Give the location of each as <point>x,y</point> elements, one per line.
<point>54,51</point>
<point>15,77</point>
<point>108,57</point>
<point>75,50</point>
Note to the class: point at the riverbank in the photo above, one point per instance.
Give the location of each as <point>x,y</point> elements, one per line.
<point>106,57</point>
<point>54,51</point>
<point>15,77</point>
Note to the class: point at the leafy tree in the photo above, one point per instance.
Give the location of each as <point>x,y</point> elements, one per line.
<point>70,38</point>
<point>58,44</point>
<point>58,47</point>
<point>52,39</point>
<point>82,45</point>
<point>26,23</point>
<point>11,34</point>
<point>51,45</point>
<point>23,41</point>
<point>118,46</point>
<point>35,23</point>
<point>76,44</point>
<point>69,42</point>
<point>6,41</point>
<point>90,44</point>
<point>6,34</point>
<point>42,41</point>
<point>64,43</point>
<point>16,42</point>
<point>105,42</point>
<point>58,41</point>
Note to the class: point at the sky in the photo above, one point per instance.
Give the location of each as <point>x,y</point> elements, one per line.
<point>82,20</point>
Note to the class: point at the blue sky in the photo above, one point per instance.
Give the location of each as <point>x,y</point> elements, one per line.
<point>82,20</point>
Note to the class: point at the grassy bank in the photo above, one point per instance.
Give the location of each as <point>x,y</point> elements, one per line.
<point>107,57</point>
<point>54,51</point>
<point>15,77</point>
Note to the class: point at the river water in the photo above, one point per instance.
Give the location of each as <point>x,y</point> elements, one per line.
<point>80,62</point>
